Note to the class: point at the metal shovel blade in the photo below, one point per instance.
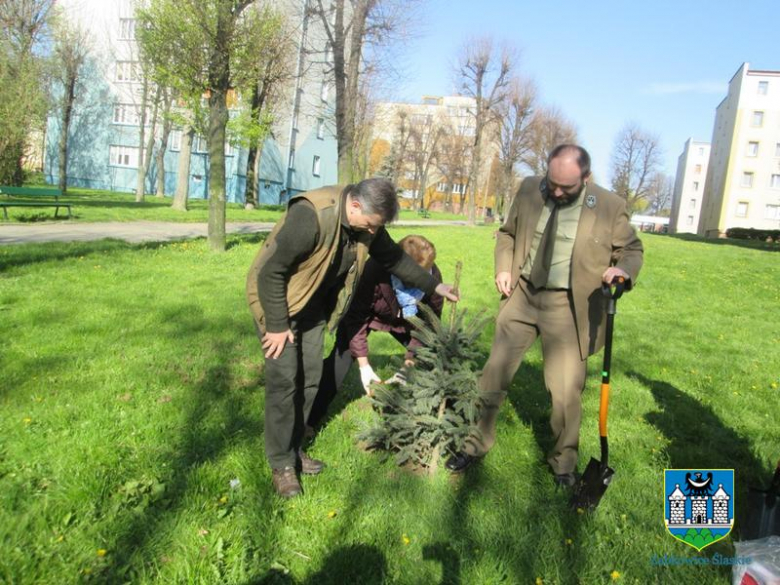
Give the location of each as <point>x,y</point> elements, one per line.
<point>591,486</point>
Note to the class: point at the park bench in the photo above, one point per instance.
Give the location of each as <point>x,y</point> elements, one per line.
<point>424,212</point>
<point>10,191</point>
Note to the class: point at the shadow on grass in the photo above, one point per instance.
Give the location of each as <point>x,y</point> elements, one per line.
<point>215,418</point>
<point>356,563</point>
<point>751,244</point>
<point>17,256</point>
<point>698,439</point>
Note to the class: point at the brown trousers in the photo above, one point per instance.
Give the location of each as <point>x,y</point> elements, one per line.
<point>526,315</point>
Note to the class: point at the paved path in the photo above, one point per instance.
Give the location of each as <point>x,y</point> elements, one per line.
<point>139,231</point>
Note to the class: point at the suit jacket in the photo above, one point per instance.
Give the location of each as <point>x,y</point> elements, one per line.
<point>604,238</point>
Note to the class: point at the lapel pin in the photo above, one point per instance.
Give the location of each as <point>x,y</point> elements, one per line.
<point>590,201</point>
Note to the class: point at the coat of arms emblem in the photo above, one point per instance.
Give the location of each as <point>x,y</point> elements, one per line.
<point>699,505</point>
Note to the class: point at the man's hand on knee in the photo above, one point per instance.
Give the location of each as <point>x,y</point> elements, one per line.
<point>273,343</point>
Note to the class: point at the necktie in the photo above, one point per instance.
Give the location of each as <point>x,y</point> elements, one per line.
<point>540,271</point>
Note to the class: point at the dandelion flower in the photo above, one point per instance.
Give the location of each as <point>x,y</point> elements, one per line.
<point>101,552</point>
<point>615,575</point>
<point>27,420</point>
<point>332,514</point>
<point>569,542</point>
<point>539,581</point>
<point>406,540</point>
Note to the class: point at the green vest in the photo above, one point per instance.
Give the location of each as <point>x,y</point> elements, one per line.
<point>309,274</point>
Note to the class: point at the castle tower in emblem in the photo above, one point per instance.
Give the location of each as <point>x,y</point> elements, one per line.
<point>677,506</point>
<point>720,506</point>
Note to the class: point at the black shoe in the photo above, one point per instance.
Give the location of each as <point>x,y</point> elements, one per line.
<point>459,462</point>
<point>566,480</point>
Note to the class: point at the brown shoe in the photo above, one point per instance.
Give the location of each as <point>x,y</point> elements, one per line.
<point>309,466</point>
<point>286,482</point>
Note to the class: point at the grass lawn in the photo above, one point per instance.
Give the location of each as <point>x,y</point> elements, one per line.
<point>131,421</point>
<point>92,205</point>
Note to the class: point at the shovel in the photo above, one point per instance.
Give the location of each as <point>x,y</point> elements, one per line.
<point>763,513</point>
<point>591,486</point>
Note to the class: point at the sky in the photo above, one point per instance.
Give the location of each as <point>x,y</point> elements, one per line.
<point>660,64</point>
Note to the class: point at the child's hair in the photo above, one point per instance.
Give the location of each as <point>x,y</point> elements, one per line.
<point>420,249</point>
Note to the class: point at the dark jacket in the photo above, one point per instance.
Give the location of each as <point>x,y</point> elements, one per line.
<point>376,307</point>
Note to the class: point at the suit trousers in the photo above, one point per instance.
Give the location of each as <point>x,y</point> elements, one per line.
<point>529,313</point>
<point>291,383</point>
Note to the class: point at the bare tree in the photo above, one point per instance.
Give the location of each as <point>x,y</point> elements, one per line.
<point>549,128</point>
<point>636,160</point>
<point>426,136</point>
<point>659,200</point>
<point>72,46</point>
<point>514,136</point>
<point>454,162</point>
<point>357,31</point>
<point>24,26</point>
<point>483,75</point>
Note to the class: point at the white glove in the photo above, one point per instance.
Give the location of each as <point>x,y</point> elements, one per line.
<point>367,376</point>
<point>398,378</point>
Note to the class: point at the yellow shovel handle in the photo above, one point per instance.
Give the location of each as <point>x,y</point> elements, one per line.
<point>603,408</point>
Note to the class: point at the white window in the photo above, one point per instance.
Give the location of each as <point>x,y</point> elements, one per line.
<point>174,140</point>
<point>772,212</point>
<point>742,209</point>
<point>126,114</point>
<point>442,187</point>
<point>126,71</point>
<point>774,182</point>
<point>458,188</point>
<point>763,87</point>
<point>747,180</point>
<point>692,204</point>
<point>315,166</point>
<point>752,149</point>
<point>452,111</point>
<point>200,144</point>
<point>697,169</point>
<point>123,156</point>
<point>127,29</point>
<point>324,91</point>
<point>777,149</point>
<point>689,220</point>
<point>320,128</point>
<point>757,120</point>
<point>696,185</point>
<point>701,151</point>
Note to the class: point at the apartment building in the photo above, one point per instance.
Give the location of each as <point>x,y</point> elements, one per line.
<point>104,136</point>
<point>689,187</point>
<point>742,187</point>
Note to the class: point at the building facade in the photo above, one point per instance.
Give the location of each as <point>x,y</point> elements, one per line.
<point>429,145</point>
<point>689,187</point>
<point>742,187</point>
<point>104,135</point>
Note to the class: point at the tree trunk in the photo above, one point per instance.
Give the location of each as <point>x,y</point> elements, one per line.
<point>67,111</point>
<point>166,132</point>
<point>183,174</point>
<point>141,175</point>
<point>252,171</point>
<point>218,118</point>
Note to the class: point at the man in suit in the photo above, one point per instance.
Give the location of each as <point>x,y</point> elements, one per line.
<point>563,237</point>
<point>302,280</point>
